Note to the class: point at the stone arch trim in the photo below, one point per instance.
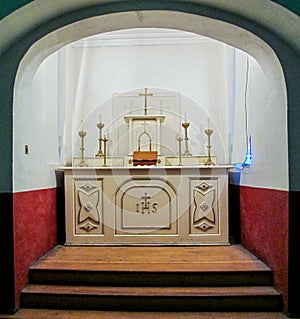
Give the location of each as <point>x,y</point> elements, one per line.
<point>265,13</point>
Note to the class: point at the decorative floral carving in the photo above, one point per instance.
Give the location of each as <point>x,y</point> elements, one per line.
<point>88,206</point>
<point>203,206</point>
<point>204,216</point>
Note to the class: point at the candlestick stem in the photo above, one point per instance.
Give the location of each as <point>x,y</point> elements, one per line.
<point>105,151</point>
<point>185,125</point>
<point>179,139</point>
<point>82,135</point>
<point>209,160</point>
<point>100,152</point>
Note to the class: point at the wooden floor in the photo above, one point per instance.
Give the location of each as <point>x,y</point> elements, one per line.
<point>72,314</point>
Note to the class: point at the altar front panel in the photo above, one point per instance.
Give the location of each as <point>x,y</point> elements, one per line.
<point>146,205</point>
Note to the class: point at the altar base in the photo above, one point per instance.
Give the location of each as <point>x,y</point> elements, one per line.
<point>147,205</point>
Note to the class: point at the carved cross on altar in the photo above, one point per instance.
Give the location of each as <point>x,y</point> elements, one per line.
<point>145,94</point>
<point>145,203</point>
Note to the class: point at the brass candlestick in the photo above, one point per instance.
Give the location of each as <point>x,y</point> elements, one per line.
<point>100,127</point>
<point>105,151</point>
<point>208,161</point>
<point>179,139</point>
<point>82,135</point>
<point>185,125</point>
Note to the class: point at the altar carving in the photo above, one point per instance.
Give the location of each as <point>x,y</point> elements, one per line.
<point>144,196</point>
<point>88,207</point>
<point>147,205</point>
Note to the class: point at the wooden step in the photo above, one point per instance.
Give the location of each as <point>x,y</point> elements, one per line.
<point>151,278</point>
<point>152,298</point>
<point>79,314</point>
<point>77,257</point>
<point>191,279</point>
<point>151,266</point>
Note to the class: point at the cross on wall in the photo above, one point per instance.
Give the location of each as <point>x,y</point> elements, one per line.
<point>145,94</point>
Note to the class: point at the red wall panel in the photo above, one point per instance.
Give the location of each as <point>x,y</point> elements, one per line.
<point>35,230</point>
<point>264,229</point>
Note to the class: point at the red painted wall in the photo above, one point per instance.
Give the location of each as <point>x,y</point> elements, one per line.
<point>264,230</point>
<point>35,231</point>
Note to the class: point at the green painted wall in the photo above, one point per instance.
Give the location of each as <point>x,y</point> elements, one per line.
<point>8,6</point>
<point>292,5</point>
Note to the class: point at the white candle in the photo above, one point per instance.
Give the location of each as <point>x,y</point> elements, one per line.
<point>100,118</point>
<point>185,118</point>
<point>208,126</point>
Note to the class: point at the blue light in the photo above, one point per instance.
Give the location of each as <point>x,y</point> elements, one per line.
<point>248,159</point>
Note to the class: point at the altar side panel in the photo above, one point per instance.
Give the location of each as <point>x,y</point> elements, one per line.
<point>204,208</point>
<point>84,207</point>
<point>88,210</point>
<point>208,212</point>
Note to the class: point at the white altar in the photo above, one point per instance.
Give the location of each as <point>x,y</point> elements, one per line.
<point>119,198</point>
<point>147,205</point>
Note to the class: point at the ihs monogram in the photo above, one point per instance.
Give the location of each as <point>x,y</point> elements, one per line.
<point>146,206</point>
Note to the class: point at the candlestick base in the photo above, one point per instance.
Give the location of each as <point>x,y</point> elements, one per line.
<point>99,154</point>
<point>83,164</point>
<point>187,153</point>
<point>209,162</point>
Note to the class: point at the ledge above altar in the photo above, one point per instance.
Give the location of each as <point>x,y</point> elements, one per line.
<point>131,118</point>
<point>126,161</point>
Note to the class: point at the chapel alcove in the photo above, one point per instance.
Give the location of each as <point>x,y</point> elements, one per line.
<point>268,107</point>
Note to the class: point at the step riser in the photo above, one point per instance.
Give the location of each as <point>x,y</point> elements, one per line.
<point>217,279</point>
<point>135,303</point>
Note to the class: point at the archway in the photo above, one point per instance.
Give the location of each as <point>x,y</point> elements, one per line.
<point>201,25</point>
<point>141,18</point>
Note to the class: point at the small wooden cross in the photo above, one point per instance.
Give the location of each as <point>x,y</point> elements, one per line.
<point>145,94</point>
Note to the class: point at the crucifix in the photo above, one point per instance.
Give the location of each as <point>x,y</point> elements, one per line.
<point>145,94</point>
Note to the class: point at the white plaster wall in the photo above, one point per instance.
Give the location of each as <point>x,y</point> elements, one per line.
<point>194,71</point>
<point>35,125</point>
<point>271,108</point>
